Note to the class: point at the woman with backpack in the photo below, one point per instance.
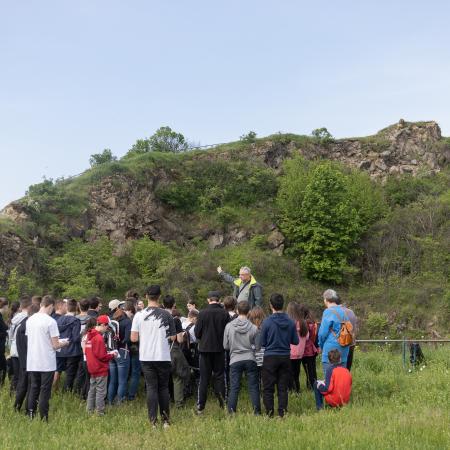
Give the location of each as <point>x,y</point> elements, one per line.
<point>120,366</point>
<point>310,354</point>
<point>294,312</point>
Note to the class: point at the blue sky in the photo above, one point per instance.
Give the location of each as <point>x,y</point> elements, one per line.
<point>80,76</point>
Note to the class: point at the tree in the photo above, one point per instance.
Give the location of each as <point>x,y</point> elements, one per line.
<point>322,135</point>
<point>249,138</point>
<point>167,140</point>
<point>323,226</point>
<point>101,158</point>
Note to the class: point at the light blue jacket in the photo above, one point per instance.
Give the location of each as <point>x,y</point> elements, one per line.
<point>327,340</point>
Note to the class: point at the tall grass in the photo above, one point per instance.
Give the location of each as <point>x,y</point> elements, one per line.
<point>390,409</point>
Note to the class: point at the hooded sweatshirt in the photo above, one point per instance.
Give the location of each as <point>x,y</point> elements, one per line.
<point>278,332</point>
<point>69,327</point>
<point>239,339</point>
<point>15,322</point>
<point>97,357</point>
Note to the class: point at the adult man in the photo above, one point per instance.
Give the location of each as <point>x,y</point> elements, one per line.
<point>278,333</point>
<point>42,333</point>
<point>69,357</point>
<point>330,328</point>
<point>209,330</point>
<point>152,328</point>
<point>245,287</point>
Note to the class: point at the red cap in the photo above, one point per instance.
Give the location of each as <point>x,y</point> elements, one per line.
<point>103,319</point>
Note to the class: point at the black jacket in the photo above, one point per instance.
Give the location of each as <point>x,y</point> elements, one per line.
<point>3,332</point>
<point>69,327</point>
<point>22,343</point>
<point>210,327</point>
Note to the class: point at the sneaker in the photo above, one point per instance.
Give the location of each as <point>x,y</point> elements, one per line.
<point>166,425</point>
<point>199,411</point>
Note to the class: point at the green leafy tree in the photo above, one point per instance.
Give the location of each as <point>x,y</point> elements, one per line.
<point>167,140</point>
<point>322,135</point>
<point>249,138</point>
<point>101,158</point>
<point>322,225</point>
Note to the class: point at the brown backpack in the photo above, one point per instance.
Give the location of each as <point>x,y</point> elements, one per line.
<point>346,333</point>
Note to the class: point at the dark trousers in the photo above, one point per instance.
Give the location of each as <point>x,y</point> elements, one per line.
<point>15,366</point>
<point>309,364</point>
<point>156,375</point>
<point>23,386</point>
<point>72,363</point>
<point>212,363</point>
<point>294,385</point>
<point>251,370</point>
<point>82,380</point>
<point>350,357</point>
<point>276,371</point>
<point>40,389</point>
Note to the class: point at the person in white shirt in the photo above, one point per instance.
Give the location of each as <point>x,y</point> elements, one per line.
<point>43,341</point>
<point>153,328</point>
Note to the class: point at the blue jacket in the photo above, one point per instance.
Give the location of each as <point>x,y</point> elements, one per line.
<point>327,340</point>
<point>69,327</point>
<point>278,332</point>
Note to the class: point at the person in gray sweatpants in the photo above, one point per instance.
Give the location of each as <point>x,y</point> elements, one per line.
<point>97,359</point>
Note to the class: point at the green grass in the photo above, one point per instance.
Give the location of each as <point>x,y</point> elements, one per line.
<point>390,409</point>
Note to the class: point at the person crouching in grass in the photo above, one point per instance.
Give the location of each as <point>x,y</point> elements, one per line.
<point>337,387</point>
<point>97,359</point>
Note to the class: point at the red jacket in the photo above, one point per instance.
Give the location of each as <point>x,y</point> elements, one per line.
<point>96,356</point>
<point>340,387</point>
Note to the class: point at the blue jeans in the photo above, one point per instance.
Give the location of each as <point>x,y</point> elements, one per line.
<point>135,376</point>
<point>236,371</point>
<point>318,396</point>
<point>118,376</point>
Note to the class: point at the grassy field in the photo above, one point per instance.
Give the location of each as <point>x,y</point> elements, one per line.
<point>390,409</point>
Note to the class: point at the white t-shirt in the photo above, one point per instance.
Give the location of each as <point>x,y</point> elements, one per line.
<point>192,337</point>
<point>41,357</point>
<point>155,326</point>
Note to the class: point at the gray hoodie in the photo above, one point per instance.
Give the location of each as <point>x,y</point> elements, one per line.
<point>15,322</point>
<point>239,339</point>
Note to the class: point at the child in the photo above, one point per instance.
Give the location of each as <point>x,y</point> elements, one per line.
<point>97,363</point>
<point>256,317</point>
<point>337,387</point>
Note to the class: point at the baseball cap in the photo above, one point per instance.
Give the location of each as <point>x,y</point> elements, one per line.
<point>103,319</point>
<point>214,294</point>
<point>113,304</point>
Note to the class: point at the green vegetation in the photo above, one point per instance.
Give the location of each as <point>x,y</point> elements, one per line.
<point>102,158</point>
<point>389,409</point>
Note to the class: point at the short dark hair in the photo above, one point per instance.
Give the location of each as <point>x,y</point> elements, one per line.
<point>36,299</point>
<point>334,356</point>
<point>192,302</point>
<point>94,302</point>
<point>229,303</point>
<point>168,301</point>
<point>25,302</point>
<point>243,307</point>
<point>129,306</point>
<point>72,305</point>
<point>3,302</point>
<point>59,302</point>
<point>277,301</point>
<point>47,300</point>
<point>84,304</point>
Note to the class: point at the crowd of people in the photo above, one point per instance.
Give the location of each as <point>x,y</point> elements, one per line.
<point>104,356</point>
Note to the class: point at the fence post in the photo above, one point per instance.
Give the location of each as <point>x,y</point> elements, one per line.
<point>404,352</point>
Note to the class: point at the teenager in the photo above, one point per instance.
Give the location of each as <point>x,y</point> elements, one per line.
<point>337,387</point>
<point>239,340</point>
<point>153,328</point>
<point>43,341</point>
<point>294,312</point>
<point>68,358</point>
<point>209,330</point>
<point>256,317</point>
<point>310,353</point>
<point>135,365</point>
<point>278,333</point>
<point>120,367</point>
<point>21,342</point>
<point>97,359</point>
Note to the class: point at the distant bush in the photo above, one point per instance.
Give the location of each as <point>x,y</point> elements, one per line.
<point>249,138</point>
<point>101,158</point>
<point>163,140</point>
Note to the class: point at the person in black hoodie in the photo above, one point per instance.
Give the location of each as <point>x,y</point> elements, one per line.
<point>23,383</point>
<point>209,330</point>
<point>69,357</point>
<point>3,336</point>
<point>119,368</point>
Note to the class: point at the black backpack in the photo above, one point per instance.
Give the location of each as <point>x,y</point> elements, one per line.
<point>190,349</point>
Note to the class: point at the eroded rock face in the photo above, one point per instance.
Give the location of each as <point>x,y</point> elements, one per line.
<point>124,209</point>
<point>15,252</point>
